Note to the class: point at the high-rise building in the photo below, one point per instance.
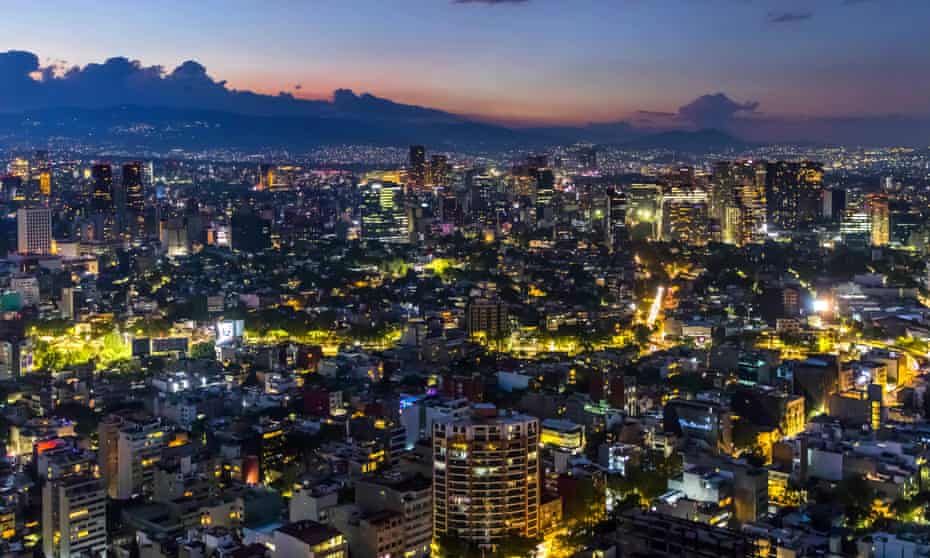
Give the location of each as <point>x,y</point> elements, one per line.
<point>834,204</point>
<point>132,210</point>
<point>737,201</point>
<point>793,193</point>
<point>439,171</point>
<point>684,216</point>
<point>384,214</point>
<point>41,170</point>
<point>643,205</point>
<point>486,476</point>
<point>148,174</point>
<point>103,215</point>
<point>129,449</point>
<point>132,184</point>
<point>74,506</point>
<point>102,197</point>
<point>880,219</point>
<point>34,230</point>
<point>416,166</point>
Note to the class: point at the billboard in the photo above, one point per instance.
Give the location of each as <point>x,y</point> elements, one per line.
<point>229,331</point>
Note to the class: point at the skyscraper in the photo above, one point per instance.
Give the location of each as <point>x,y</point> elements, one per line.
<point>132,184</point>
<point>834,204</point>
<point>684,216</point>
<point>793,193</point>
<point>102,196</point>
<point>880,219</point>
<point>384,215</point>
<point>34,230</point>
<point>103,216</point>
<point>132,212</point>
<point>738,201</point>
<point>417,165</point>
<point>42,174</point>
<point>439,171</point>
<point>486,476</point>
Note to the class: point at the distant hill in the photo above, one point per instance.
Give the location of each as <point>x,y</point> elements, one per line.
<point>349,119</point>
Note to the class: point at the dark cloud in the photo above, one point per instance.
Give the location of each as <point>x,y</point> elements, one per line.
<point>120,81</point>
<point>788,17</point>
<point>714,111</point>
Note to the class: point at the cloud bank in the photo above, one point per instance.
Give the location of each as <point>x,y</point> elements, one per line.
<point>119,81</point>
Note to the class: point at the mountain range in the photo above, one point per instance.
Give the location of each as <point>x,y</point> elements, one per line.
<point>285,122</point>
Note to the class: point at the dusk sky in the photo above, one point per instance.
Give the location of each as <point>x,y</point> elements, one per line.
<point>531,61</point>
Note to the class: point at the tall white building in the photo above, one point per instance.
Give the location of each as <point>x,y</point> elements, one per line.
<point>130,448</point>
<point>34,230</point>
<point>74,507</point>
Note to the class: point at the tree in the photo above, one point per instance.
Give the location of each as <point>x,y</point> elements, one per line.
<point>642,333</point>
<point>205,350</point>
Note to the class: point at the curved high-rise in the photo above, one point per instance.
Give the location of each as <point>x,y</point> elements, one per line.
<point>486,476</point>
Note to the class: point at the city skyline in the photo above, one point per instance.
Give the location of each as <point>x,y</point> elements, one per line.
<point>838,63</point>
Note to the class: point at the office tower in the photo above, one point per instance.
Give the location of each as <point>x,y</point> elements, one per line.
<point>132,185</point>
<point>384,214</point>
<point>834,204</point>
<point>102,197</point>
<point>416,166</point>
<point>481,198</point>
<point>486,476</point>
<point>34,230</point>
<point>545,191</point>
<point>41,171</point>
<point>439,171</point>
<point>74,506</point>
<point>880,219</point>
<point>615,215</point>
<point>132,208</point>
<point>737,201</point>
<point>129,449</point>
<point>102,215</point>
<point>148,174</point>
<point>684,216</point>
<point>643,208</point>
<point>793,194</point>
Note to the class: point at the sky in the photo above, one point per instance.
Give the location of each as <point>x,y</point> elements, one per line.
<point>529,61</point>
